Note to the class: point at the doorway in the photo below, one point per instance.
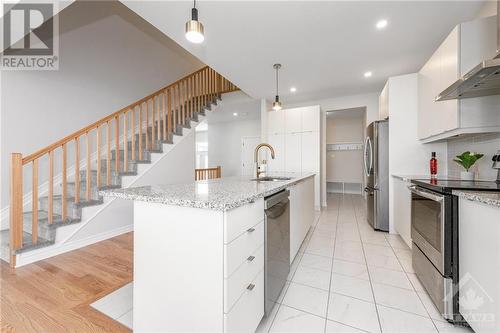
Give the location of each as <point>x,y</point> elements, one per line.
<point>248,144</point>
<point>345,131</point>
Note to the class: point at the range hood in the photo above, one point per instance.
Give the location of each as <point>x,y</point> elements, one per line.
<point>482,80</point>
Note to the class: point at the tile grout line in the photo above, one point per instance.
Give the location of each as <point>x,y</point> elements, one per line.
<point>414,289</point>
<point>368,271</point>
<point>331,267</point>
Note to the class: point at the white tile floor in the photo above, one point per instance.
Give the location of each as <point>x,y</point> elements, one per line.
<point>118,305</point>
<point>349,278</point>
<point>346,278</point>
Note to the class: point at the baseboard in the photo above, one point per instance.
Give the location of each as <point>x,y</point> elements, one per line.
<point>50,251</point>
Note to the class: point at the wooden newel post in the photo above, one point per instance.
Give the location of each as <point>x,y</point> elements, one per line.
<point>16,205</point>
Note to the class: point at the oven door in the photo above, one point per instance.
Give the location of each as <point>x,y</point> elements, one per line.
<point>428,225</point>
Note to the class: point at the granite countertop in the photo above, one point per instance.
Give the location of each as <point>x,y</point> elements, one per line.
<point>407,178</point>
<point>217,194</point>
<point>489,198</point>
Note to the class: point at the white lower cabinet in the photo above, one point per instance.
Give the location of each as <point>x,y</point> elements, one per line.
<point>301,213</point>
<point>245,316</point>
<point>401,209</point>
<point>479,265</point>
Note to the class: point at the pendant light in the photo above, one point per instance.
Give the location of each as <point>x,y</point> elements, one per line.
<point>194,28</point>
<point>277,104</point>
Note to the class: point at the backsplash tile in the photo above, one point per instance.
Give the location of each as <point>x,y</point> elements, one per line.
<point>487,144</point>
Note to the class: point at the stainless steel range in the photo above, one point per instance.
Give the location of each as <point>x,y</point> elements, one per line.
<point>434,232</point>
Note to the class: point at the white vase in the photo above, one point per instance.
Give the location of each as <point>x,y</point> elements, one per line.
<point>467,175</point>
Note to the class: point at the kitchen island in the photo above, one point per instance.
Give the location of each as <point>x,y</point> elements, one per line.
<point>199,251</point>
<point>479,259</point>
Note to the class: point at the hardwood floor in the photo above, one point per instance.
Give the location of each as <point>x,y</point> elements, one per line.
<point>53,295</point>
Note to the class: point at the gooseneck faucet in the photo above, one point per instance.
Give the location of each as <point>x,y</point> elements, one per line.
<point>256,157</point>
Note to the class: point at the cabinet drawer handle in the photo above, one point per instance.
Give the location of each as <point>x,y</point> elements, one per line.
<point>251,230</point>
<point>251,258</point>
<point>251,286</point>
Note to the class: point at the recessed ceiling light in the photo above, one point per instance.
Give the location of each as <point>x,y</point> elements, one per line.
<point>235,114</point>
<point>381,24</point>
<point>368,74</point>
<point>293,89</point>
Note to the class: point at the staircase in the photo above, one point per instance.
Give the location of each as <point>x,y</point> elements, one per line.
<point>114,148</point>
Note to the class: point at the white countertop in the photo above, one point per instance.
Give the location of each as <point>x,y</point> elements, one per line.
<point>216,194</point>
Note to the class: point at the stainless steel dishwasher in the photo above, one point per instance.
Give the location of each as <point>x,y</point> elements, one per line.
<point>276,246</point>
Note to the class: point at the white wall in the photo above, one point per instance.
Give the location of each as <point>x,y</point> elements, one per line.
<point>407,155</point>
<point>109,58</point>
<point>345,165</point>
<point>489,9</point>
<point>487,144</point>
<point>224,144</point>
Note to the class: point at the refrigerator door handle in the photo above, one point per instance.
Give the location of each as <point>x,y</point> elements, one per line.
<point>366,166</point>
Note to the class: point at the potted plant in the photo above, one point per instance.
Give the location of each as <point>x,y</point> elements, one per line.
<point>467,160</point>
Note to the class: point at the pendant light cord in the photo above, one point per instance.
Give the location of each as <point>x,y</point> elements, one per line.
<point>277,81</point>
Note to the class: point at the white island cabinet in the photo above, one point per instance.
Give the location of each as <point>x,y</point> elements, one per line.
<point>479,260</point>
<point>199,251</point>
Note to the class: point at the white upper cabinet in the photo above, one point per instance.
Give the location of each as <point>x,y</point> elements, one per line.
<point>311,118</point>
<point>295,137</point>
<point>383,102</point>
<point>276,122</point>
<point>465,47</point>
<point>310,156</point>
<point>278,163</point>
<point>293,120</point>
<point>293,152</point>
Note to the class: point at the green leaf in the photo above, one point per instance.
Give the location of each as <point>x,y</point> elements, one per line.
<point>467,159</point>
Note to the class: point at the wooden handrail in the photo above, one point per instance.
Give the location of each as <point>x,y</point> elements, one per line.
<point>92,126</point>
<point>159,114</point>
<point>208,173</point>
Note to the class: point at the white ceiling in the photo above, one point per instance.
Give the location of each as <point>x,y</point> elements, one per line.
<point>325,47</point>
<point>246,108</point>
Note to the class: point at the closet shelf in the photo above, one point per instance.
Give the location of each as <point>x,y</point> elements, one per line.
<point>344,146</point>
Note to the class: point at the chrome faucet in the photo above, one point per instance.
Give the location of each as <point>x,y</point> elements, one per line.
<point>256,157</point>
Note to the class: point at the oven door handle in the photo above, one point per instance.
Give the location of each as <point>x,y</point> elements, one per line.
<point>426,194</point>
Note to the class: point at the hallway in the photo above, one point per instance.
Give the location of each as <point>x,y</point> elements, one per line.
<point>350,278</point>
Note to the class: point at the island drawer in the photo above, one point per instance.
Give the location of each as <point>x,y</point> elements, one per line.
<point>241,248</point>
<point>247,313</point>
<point>239,220</point>
<point>241,281</point>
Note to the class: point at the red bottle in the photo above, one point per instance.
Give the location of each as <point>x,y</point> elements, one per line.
<point>433,165</point>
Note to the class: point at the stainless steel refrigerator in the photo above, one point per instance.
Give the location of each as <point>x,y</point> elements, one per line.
<point>376,166</point>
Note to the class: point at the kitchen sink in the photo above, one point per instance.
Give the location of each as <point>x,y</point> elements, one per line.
<point>271,179</point>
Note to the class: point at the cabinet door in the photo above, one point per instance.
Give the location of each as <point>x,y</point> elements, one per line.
<point>310,147</point>
<point>293,152</point>
<point>278,163</point>
<point>311,119</point>
<point>448,73</point>
<point>425,103</point>
<point>402,209</point>
<point>479,269</point>
<point>383,102</point>
<point>293,120</point>
<point>275,122</point>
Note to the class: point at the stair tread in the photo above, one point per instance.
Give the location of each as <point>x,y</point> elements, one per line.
<point>27,241</point>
